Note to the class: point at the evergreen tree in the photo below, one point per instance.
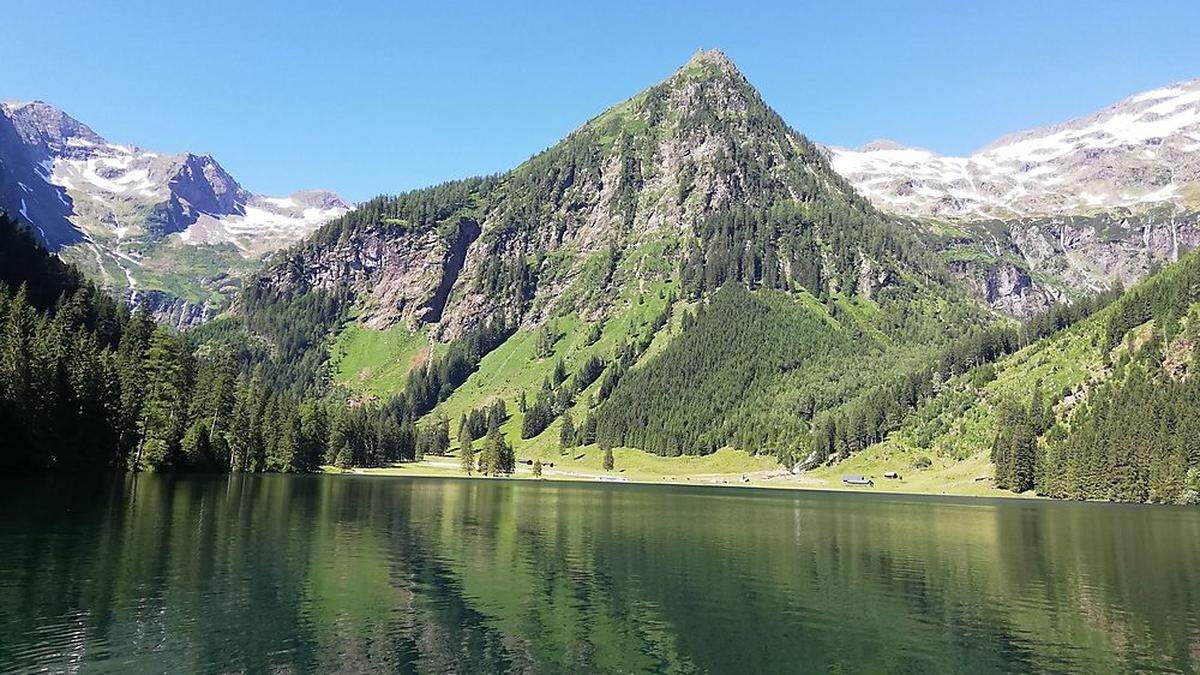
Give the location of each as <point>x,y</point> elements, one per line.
<point>1037,410</point>
<point>441,438</point>
<point>164,412</point>
<point>466,453</point>
<point>497,457</point>
<point>566,434</point>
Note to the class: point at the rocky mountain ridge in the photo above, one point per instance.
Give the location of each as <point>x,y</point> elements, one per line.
<point>127,215</point>
<point>1052,213</point>
<point>1138,153</point>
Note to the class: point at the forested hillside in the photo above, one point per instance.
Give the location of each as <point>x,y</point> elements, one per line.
<point>1094,401</point>
<point>85,385</point>
<point>683,274</point>
<point>1135,436</point>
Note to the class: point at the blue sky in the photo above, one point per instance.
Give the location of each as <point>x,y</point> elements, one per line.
<point>386,97</point>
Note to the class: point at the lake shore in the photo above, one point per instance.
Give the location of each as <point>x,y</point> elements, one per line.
<point>963,479</point>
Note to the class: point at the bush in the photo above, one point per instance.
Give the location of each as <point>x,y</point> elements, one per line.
<point>922,462</point>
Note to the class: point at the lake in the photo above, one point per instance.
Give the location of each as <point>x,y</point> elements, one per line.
<point>355,573</point>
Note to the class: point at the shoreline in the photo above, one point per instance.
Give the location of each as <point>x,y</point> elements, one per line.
<point>780,479</point>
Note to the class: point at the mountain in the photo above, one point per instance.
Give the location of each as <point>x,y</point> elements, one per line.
<point>700,142</point>
<point>603,267</point>
<point>1053,213</point>
<point>151,224</point>
<point>1141,152</point>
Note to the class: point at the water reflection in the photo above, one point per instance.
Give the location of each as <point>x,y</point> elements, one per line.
<point>322,573</point>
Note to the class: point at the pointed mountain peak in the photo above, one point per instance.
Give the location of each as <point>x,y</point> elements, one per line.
<point>710,63</point>
<point>41,124</point>
<point>714,57</point>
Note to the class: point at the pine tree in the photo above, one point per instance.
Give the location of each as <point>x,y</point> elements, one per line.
<point>164,412</point>
<point>313,434</point>
<point>131,367</point>
<point>506,459</point>
<point>497,414</point>
<point>196,447</point>
<point>239,438</point>
<point>441,435</point>
<point>586,434</point>
<point>1037,410</point>
<point>566,434</point>
<point>608,459</point>
<point>537,468</point>
<point>18,384</point>
<point>490,461</point>
<point>464,426</point>
<point>466,453</point>
<point>546,338</point>
<point>1024,458</point>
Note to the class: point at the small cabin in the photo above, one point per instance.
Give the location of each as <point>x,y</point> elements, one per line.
<point>855,479</point>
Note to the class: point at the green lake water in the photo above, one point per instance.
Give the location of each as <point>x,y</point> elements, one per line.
<point>351,574</point>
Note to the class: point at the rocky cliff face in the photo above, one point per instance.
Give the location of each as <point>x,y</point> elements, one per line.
<point>170,310</point>
<point>140,220</point>
<point>1024,265</point>
<point>646,170</point>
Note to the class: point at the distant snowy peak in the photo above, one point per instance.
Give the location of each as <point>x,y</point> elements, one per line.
<point>73,185</point>
<point>44,127</point>
<point>267,223</point>
<point>1141,152</point>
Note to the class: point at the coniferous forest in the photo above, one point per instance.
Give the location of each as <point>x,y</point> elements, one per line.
<point>90,385</point>
<point>87,385</point>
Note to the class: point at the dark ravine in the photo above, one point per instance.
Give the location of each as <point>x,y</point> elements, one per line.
<point>467,232</point>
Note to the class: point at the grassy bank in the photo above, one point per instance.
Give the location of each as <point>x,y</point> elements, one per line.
<point>730,468</point>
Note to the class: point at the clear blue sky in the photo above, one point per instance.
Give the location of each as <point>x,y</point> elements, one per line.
<point>386,97</point>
